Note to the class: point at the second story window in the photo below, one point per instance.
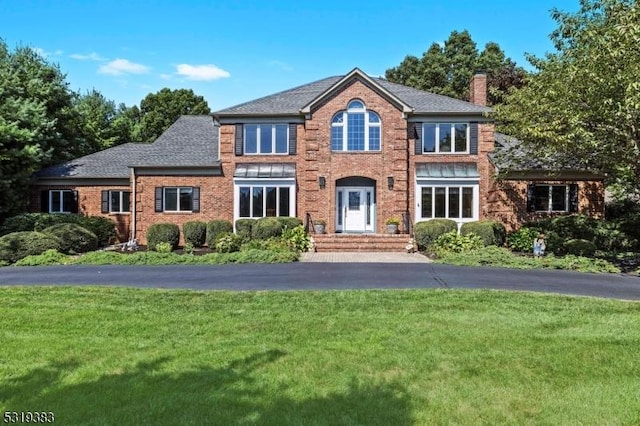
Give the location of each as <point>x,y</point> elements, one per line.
<point>445,138</point>
<point>266,139</point>
<point>356,129</point>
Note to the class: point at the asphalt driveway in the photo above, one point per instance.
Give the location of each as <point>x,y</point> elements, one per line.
<point>327,276</point>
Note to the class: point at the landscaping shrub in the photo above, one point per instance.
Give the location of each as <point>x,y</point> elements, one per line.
<point>163,233</point>
<point>296,238</point>
<point>49,257</point>
<point>195,233</point>
<point>227,242</point>
<point>18,245</point>
<point>427,231</point>
<point>275,244</point>
<point>215,228</point>
<point>492,233</point>
<point>266,227</point>
<point>104,228</point>
<point>73,237</point>
<point>452,242</point>
<point>163,247</point>
<point>521,240</point>
<point>244,228</point>
<point>579,247</point>
<point>289,222</point>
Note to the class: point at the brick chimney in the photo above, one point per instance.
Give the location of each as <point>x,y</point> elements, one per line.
<point>478,89</point>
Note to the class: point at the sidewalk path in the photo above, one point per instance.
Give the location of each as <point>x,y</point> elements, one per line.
<point>364,257</point>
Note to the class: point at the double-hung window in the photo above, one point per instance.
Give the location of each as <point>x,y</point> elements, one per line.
<point>356,129</point>
<point>62,201</point>
<point>178,199</point>
<point>119,201</point>
<point>445,138</point>
<point>451,202</point>
<point>266,138</point>
<point>256,201</point>
<point>550,198</point>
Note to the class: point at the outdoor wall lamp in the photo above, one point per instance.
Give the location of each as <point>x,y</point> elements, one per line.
<point>390,182</point>
<point>322,181</point>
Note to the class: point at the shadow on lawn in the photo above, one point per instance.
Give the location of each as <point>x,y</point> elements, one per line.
<point>234,394</point>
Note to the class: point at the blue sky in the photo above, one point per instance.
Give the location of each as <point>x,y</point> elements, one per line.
<point>235,51</point>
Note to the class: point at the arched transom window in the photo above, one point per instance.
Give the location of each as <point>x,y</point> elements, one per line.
<point>356,129</point>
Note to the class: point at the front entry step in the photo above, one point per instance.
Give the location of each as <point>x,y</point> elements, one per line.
<point>361,242</point>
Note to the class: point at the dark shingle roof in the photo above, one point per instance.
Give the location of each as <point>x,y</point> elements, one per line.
<point>190,141</point>
<point>290,102</point>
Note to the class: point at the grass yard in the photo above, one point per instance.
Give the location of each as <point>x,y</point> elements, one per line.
<point>128,356</point>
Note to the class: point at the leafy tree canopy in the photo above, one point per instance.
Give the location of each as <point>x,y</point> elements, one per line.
<point>583,104</point>
<point>160,110</point>
<point>447,69</point>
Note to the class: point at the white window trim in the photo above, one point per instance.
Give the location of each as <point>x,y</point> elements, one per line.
<point>121,195</point>
<point>453,183</point>
<point>279,183</point>
<point>60,193</point>
<point>179,188</point>
<point>258,136</point>
<point>367,126</point>
<point>453,139</point>
<point>550,199</point>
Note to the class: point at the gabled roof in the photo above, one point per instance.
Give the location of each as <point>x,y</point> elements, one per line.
<point>191,141</point>
<point>302,98</point>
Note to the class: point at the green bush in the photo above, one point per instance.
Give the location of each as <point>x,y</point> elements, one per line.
<point>244,228</point>
<point>274,244</point>
<point>266,227</point>
<point>18,245</point>
<point>522,239</point>
<point>228,242</point>
<point>49,257</point>
<point>296,238</point>
<point>452,242</point>
<point>104,228</point>
<point>74,238</point>
<point>195,233</point>
<point>289,222</point>
<point>163,233</point>
<point>427,231</point>
<point>492,233</point>
<point>579,247</point>
<point>163,247</point>
<point>215,228</point>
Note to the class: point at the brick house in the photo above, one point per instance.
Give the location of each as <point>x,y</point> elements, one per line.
<point>352,150</point>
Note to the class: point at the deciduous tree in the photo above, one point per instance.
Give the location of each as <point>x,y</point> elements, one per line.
<point>582,106</point>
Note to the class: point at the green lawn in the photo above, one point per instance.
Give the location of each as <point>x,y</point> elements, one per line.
<point>127,356</point>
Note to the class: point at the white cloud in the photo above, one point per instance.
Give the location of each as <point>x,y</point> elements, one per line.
<point>201,72</point>
<point>40,51</point>
<point>165,76</point>
<point>93,56</point>
<point>123,66</point>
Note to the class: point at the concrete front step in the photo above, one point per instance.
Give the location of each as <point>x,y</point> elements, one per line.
<point>361,242</point>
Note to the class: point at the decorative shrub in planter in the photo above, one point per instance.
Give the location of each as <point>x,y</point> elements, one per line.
<point>392,225</point>
<point>319,225</point>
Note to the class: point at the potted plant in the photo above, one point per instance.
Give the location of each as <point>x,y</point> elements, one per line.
<point>392,225</point>
<point>318,226</point>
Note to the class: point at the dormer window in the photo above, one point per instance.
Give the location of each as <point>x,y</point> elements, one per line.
<point>356,129</point>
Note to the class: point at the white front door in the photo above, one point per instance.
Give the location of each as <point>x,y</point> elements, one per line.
<point>355,209</point>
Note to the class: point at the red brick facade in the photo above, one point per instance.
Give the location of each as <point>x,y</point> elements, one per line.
<point>505,200</point>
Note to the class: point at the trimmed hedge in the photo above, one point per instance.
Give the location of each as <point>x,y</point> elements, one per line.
<point>427,231</point>
<point>215,228</point>
<point>195,232</point>
<point>579,247</point>
<point>244,228</point>
<point>289,222</point>
<point>163,233</point>
<point>266,227</point>
<point>492,233</point>
<point>73,237</point>
<point>18,245</point>
<point>104,228</point>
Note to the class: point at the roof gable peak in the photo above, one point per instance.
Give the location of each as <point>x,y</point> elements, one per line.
<point>361,76</point>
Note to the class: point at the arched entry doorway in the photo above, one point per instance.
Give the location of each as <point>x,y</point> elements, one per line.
<point>355,205</point>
